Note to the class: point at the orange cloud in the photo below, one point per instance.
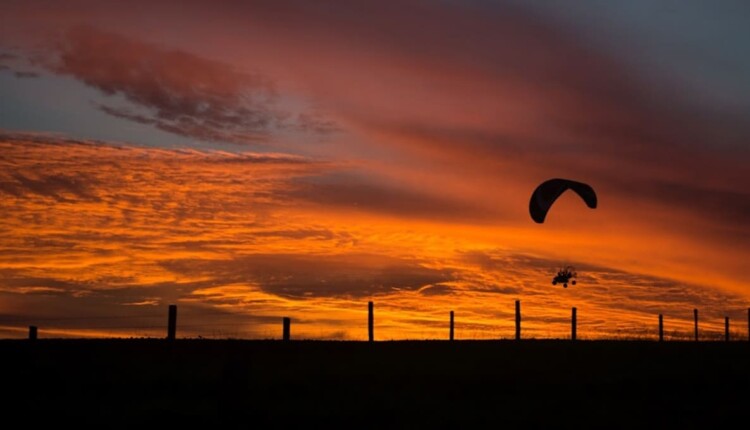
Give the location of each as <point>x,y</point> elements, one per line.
<point>239,240</point>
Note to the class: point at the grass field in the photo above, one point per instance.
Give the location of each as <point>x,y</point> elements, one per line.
<point>431,384</point>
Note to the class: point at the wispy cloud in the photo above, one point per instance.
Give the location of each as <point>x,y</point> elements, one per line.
<point>173,90</point>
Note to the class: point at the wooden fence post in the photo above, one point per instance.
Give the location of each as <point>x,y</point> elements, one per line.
<point>172,323</point>
<point>32,332</point>
<point>726,329</point>
<point>370,321</point>
<point>695,317</point>
<point>573,323</point>
<point>661,328</point>
<point>451,331</point>
<point>287,328</point>
<point>748,324</point>
<point>518,320</point>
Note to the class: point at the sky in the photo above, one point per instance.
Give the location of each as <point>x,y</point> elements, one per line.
<point>254,160</point>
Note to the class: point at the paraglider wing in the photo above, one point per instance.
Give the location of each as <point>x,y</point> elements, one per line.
<point>546,194</point>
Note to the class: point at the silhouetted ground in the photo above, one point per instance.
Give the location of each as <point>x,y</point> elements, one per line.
<point>434,384</point>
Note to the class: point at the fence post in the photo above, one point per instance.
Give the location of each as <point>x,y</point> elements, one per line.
<point>726,329</point>
<point>573,323</point>
<point>370,321</point>
<point>451,331</point>
<point>287,328</point>
<point>172,323</point>
<point>32,332</point>
<point>695,317</point>
<point>748,324</point>
<point>661,328</point>
<point>518,320</point>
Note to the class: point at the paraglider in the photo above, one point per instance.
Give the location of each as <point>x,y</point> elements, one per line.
<point>565,275</point>
<point>547,193</point>
<point>542,199</point>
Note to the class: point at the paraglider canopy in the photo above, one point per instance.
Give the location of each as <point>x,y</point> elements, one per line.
<point>547,192</point>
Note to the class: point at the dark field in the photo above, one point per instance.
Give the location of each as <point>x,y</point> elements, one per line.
<point>262,384</point>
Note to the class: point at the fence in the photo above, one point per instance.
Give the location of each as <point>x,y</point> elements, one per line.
<point>287,323</point>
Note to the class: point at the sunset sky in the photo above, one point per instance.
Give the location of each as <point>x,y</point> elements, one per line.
<point>249,160</point>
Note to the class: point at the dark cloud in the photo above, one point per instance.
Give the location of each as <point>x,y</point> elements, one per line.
<point>114,313</point>
<point>317,123</point>
<point>26,74</point>
<point>188,126</point>
<point>48,139</point>
<point>729,205</point>
<point>300,276</point>
<point>17,65</point>
<point>436,290</point>
<point>114,304</point>
<point>353,192</point>
<point>57,186</point>
<point>6,59</point>
<point>16,281</point>
<point>177,91</point>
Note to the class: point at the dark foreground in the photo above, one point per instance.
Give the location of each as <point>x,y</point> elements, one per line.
<point>264,384</point>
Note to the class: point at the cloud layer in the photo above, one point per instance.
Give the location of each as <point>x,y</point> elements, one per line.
<point>102,248</point>
<point>180,92</point>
